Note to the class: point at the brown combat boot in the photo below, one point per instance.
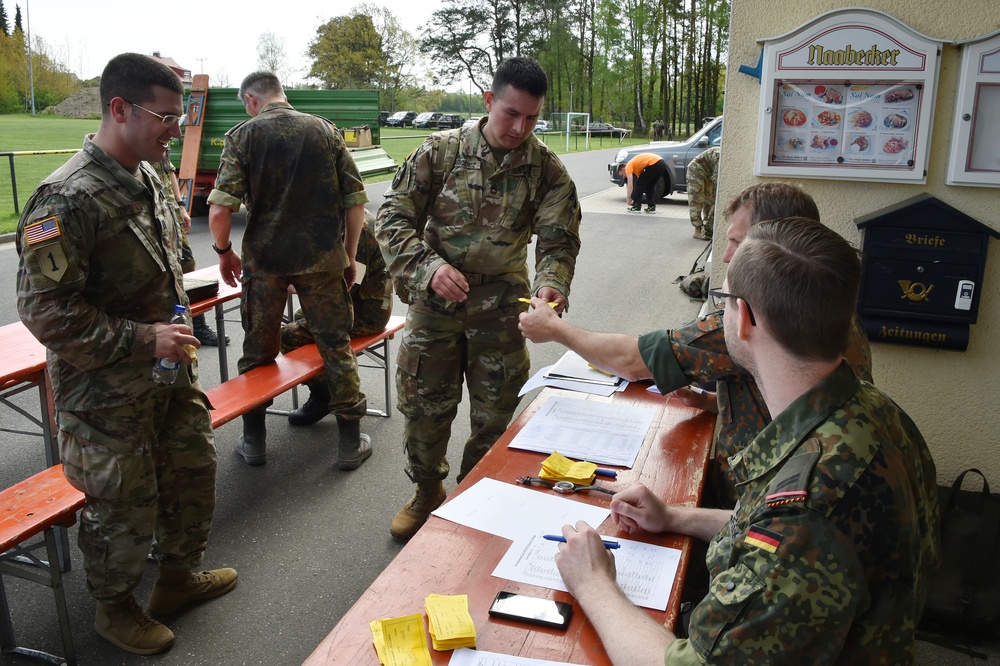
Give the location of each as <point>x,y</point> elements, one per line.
<point>176,589</point>
<point>127,626</point>
<point>429,496</point>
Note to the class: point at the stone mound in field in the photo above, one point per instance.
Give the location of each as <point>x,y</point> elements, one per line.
<point>84,104</point>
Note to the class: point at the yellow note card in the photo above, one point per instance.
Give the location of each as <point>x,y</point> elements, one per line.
<point>449,621</point>
<point>558,467</point>
<point>403,641</point>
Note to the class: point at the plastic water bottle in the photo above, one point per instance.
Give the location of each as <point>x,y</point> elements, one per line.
<point>164,369</point>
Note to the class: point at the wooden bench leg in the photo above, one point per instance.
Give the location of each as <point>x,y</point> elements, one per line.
<point>53,579</point>
<point>379,354</point>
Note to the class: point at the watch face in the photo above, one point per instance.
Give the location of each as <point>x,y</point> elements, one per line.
<point>563,487</point>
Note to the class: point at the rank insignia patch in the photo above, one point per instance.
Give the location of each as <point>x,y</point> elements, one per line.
<point>765,539</point>
<point>787,497</point>
<point>44,230</point>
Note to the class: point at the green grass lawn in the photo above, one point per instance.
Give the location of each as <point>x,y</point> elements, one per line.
<point>27,133</point>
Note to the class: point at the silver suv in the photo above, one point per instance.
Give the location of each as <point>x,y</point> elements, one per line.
<point>677,155</point>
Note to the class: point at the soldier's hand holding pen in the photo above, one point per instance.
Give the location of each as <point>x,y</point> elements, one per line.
<point>540,322</point>
<point>171,340</point>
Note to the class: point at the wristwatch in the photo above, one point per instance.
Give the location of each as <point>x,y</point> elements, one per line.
<point>565,487</point>
<point>222,250</point>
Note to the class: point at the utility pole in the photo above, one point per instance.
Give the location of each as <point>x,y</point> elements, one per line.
<point>201,63</point>
<point>31,71</point>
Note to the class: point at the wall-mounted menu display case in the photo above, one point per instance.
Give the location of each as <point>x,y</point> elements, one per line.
<point>975,145</point>
<point>849,95</point>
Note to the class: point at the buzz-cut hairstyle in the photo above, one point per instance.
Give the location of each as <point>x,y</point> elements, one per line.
<point>263,85</point>
<point>801,280</point>
<point>132,76</point>
<point>522,73</point>
<point>773,201</point>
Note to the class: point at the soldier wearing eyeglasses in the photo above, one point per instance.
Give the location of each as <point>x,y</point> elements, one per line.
<point>98,280</point>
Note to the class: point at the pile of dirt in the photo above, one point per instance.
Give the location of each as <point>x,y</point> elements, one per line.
<point>84,104</point>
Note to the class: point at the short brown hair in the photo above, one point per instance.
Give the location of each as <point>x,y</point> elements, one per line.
<point>801,280</point>
<point>771,201</point>
<point>263,85</point>
<point>132,76</point>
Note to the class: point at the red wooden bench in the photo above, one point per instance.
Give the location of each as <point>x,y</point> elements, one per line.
<point>245,392</point>
<point>36,506</point>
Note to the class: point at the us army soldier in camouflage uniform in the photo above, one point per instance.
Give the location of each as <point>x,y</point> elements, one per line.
<point>826,559</point>
<point>305,202</point>
<point>372,301</point>
<point>97,281</point>
<point>696,352</point>
<point>702,174</point>
<point>459,256</point>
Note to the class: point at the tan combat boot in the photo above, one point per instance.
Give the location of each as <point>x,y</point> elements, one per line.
<point>176,589</point>
<point>429,496</point>
<point>127,626</point>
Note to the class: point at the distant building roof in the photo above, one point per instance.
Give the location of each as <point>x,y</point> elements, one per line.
<point>185,74</point>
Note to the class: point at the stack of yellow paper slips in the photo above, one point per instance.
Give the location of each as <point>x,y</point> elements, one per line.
<point>449,622</point>
<point>558,467</point>
<point>401,640</point>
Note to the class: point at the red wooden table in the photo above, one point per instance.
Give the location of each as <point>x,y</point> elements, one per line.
<point>447,558</point>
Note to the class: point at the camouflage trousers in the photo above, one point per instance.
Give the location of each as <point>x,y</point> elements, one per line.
<point>701,202</point>
<point>369,318</point>
<point>437,352</point>
<point>147,468</point>
<point>327,305</point>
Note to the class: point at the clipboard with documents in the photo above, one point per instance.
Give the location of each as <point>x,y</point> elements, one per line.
<point>574,367</point>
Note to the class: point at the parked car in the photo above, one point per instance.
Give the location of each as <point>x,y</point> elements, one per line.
<point>450,121</point>
<point>605,129</point>
<point>542,126</point>
<point>401,119</point>
<point>471,121</point>
<point>383,116</point>
<point>676,154</point>
<point>426,120</point>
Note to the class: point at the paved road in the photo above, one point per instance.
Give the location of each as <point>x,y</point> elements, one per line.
<point>307,538</point>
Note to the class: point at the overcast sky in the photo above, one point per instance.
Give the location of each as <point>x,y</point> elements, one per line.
<point>206,36</point>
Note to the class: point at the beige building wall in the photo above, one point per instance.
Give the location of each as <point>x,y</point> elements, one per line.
<point>954,397</point>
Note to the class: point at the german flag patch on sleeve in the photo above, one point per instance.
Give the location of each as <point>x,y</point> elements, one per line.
<point>762,538</point>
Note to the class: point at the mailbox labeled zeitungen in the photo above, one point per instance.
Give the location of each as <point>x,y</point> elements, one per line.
<point>924,263</point>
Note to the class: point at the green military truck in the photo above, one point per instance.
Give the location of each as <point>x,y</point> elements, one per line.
<point>211,112</point>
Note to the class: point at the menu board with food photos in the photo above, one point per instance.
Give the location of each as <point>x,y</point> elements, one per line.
<point>827,123</point>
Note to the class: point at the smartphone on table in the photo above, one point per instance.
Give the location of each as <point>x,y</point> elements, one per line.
<point>533,610</point>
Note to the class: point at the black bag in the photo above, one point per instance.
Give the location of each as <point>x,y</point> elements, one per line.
<point>964,593</point>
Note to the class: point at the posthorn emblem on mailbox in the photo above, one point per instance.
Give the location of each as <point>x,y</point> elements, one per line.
<point>915,291</point>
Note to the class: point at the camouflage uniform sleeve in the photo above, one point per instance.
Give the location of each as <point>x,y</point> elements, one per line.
<point>230,182</point>
<point>557,227</point>
<point>794,605</point>
<point>695,352</point>
<point>51,304</point>
<point>408,258</point>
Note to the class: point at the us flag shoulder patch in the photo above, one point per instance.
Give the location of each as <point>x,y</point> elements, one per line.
<point>762,538</point>
<point>42,230</point>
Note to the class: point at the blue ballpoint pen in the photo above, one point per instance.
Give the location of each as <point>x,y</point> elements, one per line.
<point>608,542</point>
<point>612,473</point>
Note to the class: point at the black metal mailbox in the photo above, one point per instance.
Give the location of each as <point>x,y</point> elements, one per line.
<point>924,263</point>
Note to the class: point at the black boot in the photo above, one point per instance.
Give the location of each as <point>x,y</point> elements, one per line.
<point>355,447</point>
<point>315,408</point>
<point>252,444</point>
<point>206,336</point>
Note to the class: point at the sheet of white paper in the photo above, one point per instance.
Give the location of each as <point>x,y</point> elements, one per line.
<point>645,572</point>
<point>539,380</point>
<point>509,511</point>
<point>467,657</point>
<point>605,433</point>
<point>572,366</point>
<point>359,277</point>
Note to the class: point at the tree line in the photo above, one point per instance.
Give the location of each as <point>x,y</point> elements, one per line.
<point>628,62</point>
<point>52,81</point>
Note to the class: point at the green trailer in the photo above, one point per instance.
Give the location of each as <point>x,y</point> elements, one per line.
<point>211,112</point>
